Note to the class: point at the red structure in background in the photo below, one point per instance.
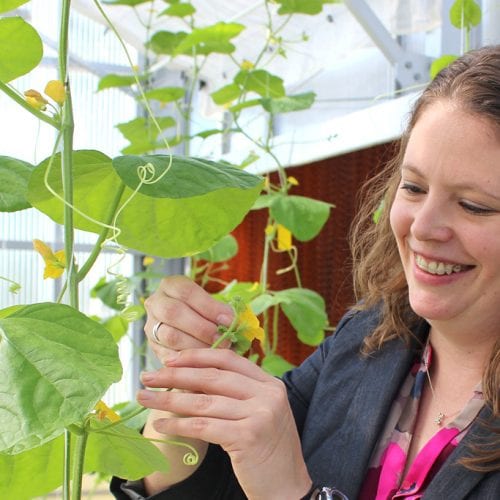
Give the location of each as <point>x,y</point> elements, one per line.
<point>324,262</point>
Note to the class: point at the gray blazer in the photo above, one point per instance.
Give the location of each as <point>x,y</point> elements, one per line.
<point>341,401</point>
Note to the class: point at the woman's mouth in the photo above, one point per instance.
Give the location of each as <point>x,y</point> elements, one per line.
<point>438,267</point>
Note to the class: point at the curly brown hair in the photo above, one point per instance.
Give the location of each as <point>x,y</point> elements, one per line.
<point>472,82</point>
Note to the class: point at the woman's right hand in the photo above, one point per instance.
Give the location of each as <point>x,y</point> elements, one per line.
<point>188,314</point>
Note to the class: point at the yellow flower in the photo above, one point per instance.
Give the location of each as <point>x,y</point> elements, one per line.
<point>35,99</point>
<point>269,230</point>
<point>293,181</point>
<point>147,261</point>
<point>55,262</point>
<point>56,91</point>
<point>104,411</point>
<point>247,65</point>
<point>284,238</point>
<point>249,326</point>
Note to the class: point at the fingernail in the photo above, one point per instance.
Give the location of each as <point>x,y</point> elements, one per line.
<point>147,377</point>
<point>144,395</point>
<point>224,319</point>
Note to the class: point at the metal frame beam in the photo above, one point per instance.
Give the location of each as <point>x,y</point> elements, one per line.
<point>411,68</point>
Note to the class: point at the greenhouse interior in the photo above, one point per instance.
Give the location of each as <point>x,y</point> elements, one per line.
<point>177,174</point>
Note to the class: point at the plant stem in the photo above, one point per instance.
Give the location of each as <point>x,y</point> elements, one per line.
<point>79,458</point>
<point>67,464</point>
<point>22,102</point>
<point>67,157</point>
<point>227,333</point>
<point>274,345</point>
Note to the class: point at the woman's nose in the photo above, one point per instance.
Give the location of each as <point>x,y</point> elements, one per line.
<point>432,220</point>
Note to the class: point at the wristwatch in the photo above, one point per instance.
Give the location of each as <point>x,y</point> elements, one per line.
<point>326,493</point>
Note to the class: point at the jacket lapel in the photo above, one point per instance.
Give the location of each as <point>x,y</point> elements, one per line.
<point>455,477</point>
<point>367,415</point>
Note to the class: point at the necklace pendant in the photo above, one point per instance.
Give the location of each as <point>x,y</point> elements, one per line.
<point>439,419</point>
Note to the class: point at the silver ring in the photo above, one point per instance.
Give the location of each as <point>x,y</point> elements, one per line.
<point>154,333</point>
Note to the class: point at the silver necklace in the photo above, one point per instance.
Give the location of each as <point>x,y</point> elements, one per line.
<point>440,416</point>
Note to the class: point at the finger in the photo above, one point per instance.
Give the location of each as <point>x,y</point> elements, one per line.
<point>205,380</point>
<point>212,430</point>
<point>193,405</point>
<point>179,316</point>
<point>172,338</point>
<point>187,291</point>
<point>221,359</point>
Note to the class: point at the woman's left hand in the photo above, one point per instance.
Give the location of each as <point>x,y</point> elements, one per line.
<point>234,403</point>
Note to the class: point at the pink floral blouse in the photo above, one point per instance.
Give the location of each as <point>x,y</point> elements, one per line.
<point>384,479</point>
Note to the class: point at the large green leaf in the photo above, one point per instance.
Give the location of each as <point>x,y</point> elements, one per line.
<point>211,39</point>
<point>306,311</point>
<point>311,7</point>
<point>32,473</point>
<point>290,103</point>
<point>166,42</point>
<point>123,452</point>
<point>21,48</point>
<point>6,5</point>
<point>55,364</point>
<point>465,14</point>
<point>158,226</point>
<point>14,177</point>
<point>186,177</point>
<point>304,217</point>
<point>261,82</point>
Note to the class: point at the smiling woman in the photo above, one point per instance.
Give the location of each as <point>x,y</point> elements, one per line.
<point>418,413</point>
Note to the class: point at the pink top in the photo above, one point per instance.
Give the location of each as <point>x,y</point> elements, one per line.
<point>384,479</point>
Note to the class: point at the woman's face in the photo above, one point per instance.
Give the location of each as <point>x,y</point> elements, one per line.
<point>446,218</point>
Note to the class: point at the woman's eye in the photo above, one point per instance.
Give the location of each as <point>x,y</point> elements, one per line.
<point>476,209</point>
<point>411,188</point>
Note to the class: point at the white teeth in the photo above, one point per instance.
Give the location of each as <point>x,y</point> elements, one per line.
<point>438,268</point>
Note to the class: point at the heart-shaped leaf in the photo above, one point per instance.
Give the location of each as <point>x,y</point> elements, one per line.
<point>6,5</point>
<point>21,48</point>
<point>209,200</point>
<point>14,177</point>
<point>55,364</point>
<point>304,217</point>
<point>123,452</point>
<point>32,473</point>
<point>306,311</point>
